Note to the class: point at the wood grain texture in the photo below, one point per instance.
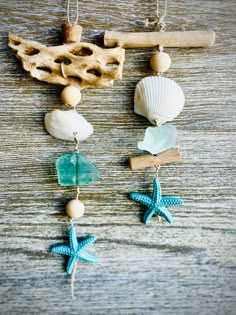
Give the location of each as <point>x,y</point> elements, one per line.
<point>184,268</point>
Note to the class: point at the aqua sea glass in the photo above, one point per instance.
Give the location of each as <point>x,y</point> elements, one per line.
<point>158,139</point>
<point>75,169</point>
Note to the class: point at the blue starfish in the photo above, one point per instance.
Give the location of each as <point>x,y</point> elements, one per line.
<point>156,203</point>
<point>75,250</point>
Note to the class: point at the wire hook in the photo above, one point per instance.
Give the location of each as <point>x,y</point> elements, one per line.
<point>76,139</point>
<point>157,167</point>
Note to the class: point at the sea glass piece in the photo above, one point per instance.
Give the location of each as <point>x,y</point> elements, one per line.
<point>75,169</point>
<point>158,139</point>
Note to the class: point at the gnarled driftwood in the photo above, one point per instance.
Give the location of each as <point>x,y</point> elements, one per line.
<point>82,64</point>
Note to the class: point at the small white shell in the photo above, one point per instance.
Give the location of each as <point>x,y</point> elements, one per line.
<point>62,124</point>
<point>158,99</point>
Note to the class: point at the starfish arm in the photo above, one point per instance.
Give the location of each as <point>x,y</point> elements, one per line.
<point>71,264</point>
<point>163,212</point>
<point>171,201</point>
<point>73,239</point>
<point>141,198</point>
<point>61,250</point>
<point>148,215</point>
<point>86,242</point>
<point>156,194</point>
<point>85,256</point>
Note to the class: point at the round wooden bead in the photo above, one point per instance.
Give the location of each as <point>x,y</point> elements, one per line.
<point>71,95</point>
<point>160,61</point>
<point>75,208</point>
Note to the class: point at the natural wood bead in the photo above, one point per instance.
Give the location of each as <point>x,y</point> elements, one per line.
<point>75,209</point>
<point>71,33</point>
<point>71,95</point>
<point>160,61</point>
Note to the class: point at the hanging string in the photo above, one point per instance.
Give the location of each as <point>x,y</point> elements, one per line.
<point>160,18</point>
<point>157,168</point>
<point>72,279</point>
<point>77,12</point>
<point>73,282</point>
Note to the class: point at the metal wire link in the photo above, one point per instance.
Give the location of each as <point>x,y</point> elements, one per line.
<point>76,139</point>
<point>157,167</point>
<point>78,193</point>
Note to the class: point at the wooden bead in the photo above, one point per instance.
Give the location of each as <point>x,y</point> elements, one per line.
<point>160,62</point>
<point>71,95</point>
<point>75,209</point>
<point>71,33</point>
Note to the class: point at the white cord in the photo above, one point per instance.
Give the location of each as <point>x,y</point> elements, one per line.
<point>73,281</point>
<point>77,12</point>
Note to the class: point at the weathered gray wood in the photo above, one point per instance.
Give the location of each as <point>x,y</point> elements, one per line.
<point>184,268</point>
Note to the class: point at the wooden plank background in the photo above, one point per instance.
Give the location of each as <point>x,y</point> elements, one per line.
<point>187,267</point>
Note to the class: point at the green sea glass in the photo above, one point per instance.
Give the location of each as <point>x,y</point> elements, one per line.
<point>158,139</point>
<point>76,169</point>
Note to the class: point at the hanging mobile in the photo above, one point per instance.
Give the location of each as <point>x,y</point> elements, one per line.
<point>77,65</point>
<point>160,100</point>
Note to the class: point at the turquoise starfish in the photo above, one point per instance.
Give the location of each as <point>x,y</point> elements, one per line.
<point>156,203</point>
<point>75,250</point>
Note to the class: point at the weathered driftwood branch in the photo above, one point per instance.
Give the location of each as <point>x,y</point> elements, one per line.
<point>82,64</point>
<point>149,160</point>
<point>152,39</point>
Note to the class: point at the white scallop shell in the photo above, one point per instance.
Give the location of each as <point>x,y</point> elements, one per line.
<point>62,124</point>
<point>158,99</point>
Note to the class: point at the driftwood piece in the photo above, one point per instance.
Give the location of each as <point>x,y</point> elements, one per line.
<point>152,39</point>
<point>82,64</point>
<point>149,160</point>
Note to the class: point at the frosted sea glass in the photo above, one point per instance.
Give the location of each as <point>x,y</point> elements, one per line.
<point>76,169</point>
